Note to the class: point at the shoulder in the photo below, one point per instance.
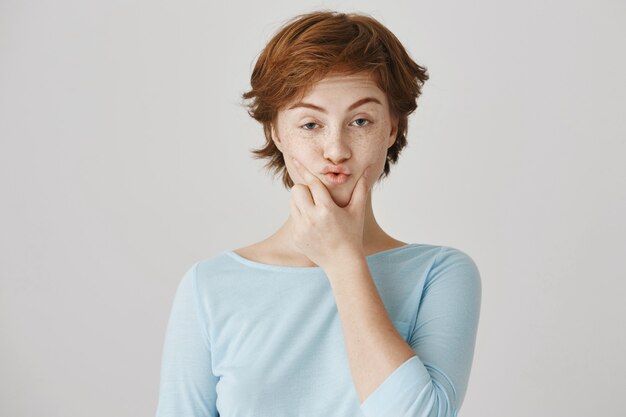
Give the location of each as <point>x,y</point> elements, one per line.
<point>433,255</point>
<point>215,265</point>
<point>455,267</point>
<point>438,257</point>
<point>451,256</point>
<point>206,269</point>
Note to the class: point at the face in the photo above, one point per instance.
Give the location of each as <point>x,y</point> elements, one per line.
<point>344,124</point>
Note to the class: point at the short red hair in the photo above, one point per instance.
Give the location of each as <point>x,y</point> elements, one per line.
<point>310,46</point>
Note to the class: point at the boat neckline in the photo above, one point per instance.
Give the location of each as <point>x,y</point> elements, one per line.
<point>261,265</point>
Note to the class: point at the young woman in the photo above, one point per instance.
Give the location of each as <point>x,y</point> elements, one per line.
<point>330,315</point>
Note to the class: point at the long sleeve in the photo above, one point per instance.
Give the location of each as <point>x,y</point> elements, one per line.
<point>187,385</point>
<point>433,383</point>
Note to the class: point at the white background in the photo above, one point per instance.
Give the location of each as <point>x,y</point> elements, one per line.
<point>124,158</point>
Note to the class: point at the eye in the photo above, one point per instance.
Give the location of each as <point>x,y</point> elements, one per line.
<point>363,120</point>
<point>308,124</point>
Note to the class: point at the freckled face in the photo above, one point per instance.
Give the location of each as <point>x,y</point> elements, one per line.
<point>334,124</point>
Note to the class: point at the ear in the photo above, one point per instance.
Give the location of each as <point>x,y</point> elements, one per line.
<point>275,138</point>
<point>394,132</point>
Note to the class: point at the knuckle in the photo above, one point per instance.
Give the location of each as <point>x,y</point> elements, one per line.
<point>324,211</point>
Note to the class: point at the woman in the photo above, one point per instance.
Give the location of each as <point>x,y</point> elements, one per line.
<point>330,315</point>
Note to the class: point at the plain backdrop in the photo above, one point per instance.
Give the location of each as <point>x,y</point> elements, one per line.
<point>125,157</point>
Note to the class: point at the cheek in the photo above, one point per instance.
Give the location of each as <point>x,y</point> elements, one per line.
<point>304,154</point>
<point>374,152</point>
<point>301,153</point>
<point>373,145</point>
<point>294,145</point>
<point>291,142</point>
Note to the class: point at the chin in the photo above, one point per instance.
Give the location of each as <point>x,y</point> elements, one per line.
<point>341,199</point>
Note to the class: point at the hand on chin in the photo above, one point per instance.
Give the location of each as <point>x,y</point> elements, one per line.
<point>341,197</point>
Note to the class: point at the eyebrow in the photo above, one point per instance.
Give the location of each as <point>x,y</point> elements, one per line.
<point>352,106</point>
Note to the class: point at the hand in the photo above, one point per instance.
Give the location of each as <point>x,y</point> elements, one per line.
<point>323,231</point>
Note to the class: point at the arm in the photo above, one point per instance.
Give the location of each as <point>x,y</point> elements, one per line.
<point>432,380</point>
<point>374,346</point>
<point>187,386</point>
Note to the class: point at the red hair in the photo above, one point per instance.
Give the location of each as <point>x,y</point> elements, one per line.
<point>310,46</point>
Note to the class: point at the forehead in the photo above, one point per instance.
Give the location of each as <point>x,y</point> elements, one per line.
<point>338,91</point>
<point>356,82</point>
<point>341,80</point>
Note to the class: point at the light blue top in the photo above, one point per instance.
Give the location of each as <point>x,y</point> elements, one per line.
<point>247,339</point>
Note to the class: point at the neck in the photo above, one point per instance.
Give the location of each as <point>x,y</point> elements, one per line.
<point>375,238</point>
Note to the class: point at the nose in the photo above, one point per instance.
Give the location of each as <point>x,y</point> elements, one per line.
<point>336,147</point>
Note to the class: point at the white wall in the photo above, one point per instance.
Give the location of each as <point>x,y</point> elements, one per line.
<point>124,159</point>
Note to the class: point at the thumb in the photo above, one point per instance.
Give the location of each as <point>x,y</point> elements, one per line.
<point>361,190</point>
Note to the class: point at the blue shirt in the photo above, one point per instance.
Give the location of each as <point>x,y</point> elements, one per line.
<point>248,339</point>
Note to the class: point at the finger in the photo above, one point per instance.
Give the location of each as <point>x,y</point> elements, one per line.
<point>318,189</point>
<point>293,208</point>
<point>361,190</point>
<point>301,197</point>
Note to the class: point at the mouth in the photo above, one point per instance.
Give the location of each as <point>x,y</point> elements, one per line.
<point>337,178</point>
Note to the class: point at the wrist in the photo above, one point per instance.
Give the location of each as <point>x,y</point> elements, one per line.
<point>346,260</point>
